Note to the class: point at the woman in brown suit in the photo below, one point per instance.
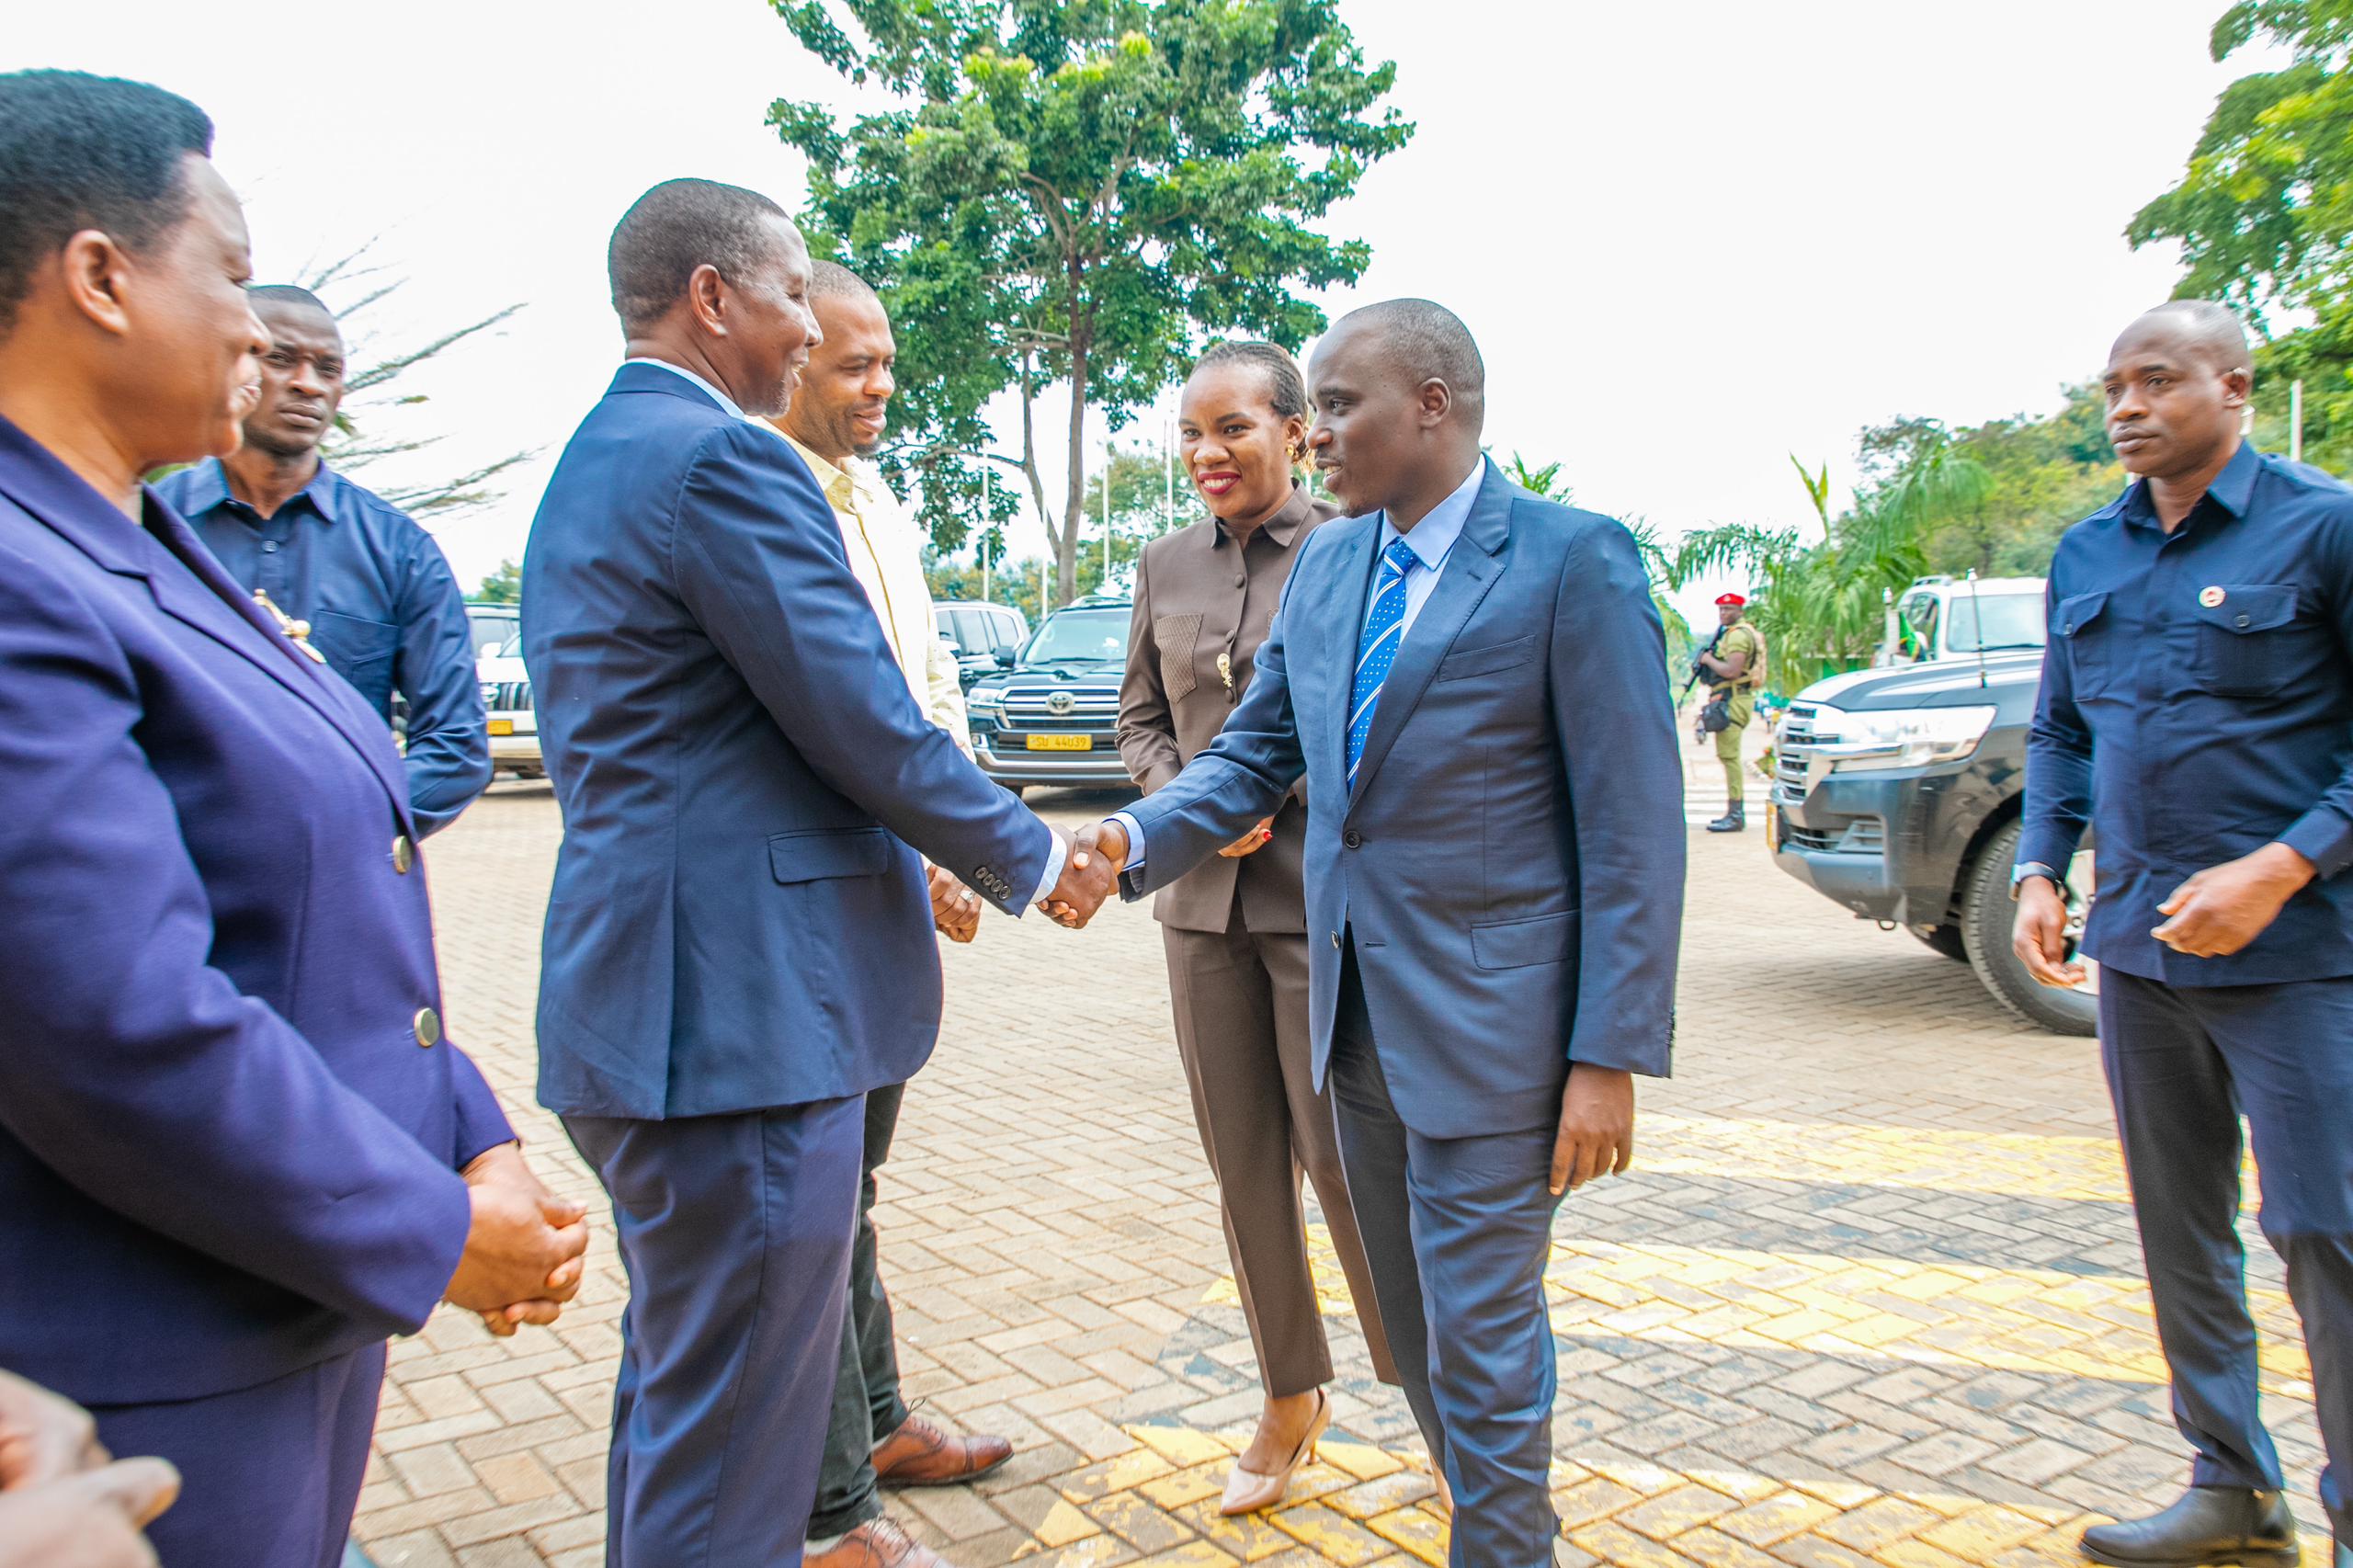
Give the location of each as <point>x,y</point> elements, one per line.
<point>1236,927</point>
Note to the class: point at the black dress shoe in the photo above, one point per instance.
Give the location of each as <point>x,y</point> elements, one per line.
<point>2209,1524</point>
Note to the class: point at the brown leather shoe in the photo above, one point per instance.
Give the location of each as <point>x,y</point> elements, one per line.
<point>877,1543</point>
<point>920,1454</point>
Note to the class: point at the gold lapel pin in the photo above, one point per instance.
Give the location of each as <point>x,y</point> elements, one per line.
<point>1225,670</point>
<point>297,632</point>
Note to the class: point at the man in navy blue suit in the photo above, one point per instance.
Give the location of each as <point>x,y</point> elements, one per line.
<point>1472,680</point>
<point>236,1151</point>
<point>739,944</point>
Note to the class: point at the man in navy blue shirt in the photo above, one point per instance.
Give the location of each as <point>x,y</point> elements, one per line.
<point>2197,713</point>
<point>380,604</point>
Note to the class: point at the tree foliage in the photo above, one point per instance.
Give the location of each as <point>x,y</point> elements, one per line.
<point>1076,193</point>
<point>503,586</point>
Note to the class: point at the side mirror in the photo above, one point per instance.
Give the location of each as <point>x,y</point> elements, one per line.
<point>1007,658</point>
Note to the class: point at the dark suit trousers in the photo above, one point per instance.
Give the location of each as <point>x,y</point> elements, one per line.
<point>268,1475</point>
<point>866,1406</point>
<point>1241,1005</point>
<point>2183,1065</point>
<point>1459,1230</point>
<point>735,1231</point>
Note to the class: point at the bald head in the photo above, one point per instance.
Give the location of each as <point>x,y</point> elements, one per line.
<point>1400,395</point>
<point>2176,385</point>
<point>1418,341</point>
<point>2211,331</point>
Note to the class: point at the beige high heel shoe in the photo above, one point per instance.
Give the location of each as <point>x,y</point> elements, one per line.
<point>1247,1491</point>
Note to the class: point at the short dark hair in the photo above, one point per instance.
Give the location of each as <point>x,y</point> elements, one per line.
<point>832,280</point>
<point>288,294</point>
<point>677,226</point>
<point>81,152</point>
<point>1285,388</point>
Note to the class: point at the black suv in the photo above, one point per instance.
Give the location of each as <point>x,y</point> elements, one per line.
<point>1050,714</point>
<point>1897,793</point>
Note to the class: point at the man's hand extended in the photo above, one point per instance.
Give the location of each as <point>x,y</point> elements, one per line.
<point>89,1520</point>
<point>955,908</point>
<point>523,1257</point>
<point>1597,1137</point>
<point>2039,934</point>
<point>2224,908</point>
<point>43,1437</point>
<point>1093,858</point>
<point>1250,842</point>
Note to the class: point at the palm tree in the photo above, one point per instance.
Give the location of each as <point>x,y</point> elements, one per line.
<point>1657,563</point>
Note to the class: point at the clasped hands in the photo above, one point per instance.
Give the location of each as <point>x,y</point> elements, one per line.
<point>1092,860</point>
<point>525,1249</point>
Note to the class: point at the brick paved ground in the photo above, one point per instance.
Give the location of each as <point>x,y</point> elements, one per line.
<point>1871,1294</point>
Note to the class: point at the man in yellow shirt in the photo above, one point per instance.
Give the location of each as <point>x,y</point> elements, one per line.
<point>835,422</point>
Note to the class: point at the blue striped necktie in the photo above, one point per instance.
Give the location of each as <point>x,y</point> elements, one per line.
<point>1384,628</point>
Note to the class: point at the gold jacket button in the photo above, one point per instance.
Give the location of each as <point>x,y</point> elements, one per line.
<point>403,855</point>
<point>428,1028</point>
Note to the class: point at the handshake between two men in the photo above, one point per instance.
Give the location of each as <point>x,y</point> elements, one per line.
<point>1090,876</point>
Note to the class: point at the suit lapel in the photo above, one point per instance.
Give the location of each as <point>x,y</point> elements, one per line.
<point>1470,571</point>
<point>214,605</point>
<point>211,603</point>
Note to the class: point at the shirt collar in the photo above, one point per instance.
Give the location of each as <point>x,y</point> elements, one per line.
<point>1282,527</point>
<point>717,396</point>
<point>210,488</point>
<point>1434,536</point>
<point>2233,490</point>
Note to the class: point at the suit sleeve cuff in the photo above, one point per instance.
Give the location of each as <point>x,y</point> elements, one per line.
<point>2322,838</point>
<point>482,1122</point>
<point>1055,855</point>
<point>1134,831</point>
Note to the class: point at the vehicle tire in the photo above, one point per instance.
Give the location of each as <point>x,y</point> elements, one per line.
<point>1945,939</point>
<point>1986,916</point>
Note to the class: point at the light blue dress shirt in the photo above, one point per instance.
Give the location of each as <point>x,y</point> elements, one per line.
<point>1056,854</point>
<point>1431,540</point>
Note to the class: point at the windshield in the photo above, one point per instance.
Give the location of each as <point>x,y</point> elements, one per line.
<point>2011,620</point>
<point>1080,636</point>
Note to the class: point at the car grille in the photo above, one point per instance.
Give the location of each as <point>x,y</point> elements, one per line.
<point>508,697</point>
<point>1792,750</point>
<point>1866,835</point>
<point>1093,709</point>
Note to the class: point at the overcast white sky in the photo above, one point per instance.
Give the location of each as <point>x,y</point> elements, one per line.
<point>1690,241</point>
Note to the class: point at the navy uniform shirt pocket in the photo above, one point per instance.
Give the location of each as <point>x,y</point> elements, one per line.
<point>352,640</point>
<point>2247,641</point>
<point>2084,630</point>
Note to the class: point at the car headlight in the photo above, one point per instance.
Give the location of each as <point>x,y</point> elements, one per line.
<point>985,704</point>
<point>1898,737</point>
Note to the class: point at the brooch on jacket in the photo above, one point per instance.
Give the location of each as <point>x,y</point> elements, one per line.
<point>297,632</point>
<point>1225,671</point>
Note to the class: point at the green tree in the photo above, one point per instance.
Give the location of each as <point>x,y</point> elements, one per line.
<point>1076,193</point>
<point>503,586</point>
<point>2265,210</point>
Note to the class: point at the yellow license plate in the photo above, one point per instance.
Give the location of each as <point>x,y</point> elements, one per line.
<point>502,726</point>
<point>1061,742</point>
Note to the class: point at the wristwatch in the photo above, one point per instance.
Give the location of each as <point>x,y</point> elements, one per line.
<point>2025,869</point>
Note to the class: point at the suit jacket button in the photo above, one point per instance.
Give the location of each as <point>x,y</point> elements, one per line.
<point>403,854</point>
<point>427,1025</point>
<point>1353,839</point>
<point>1335,938</point>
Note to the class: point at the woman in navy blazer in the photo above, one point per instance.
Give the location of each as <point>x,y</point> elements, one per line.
<point>231,1135</point>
